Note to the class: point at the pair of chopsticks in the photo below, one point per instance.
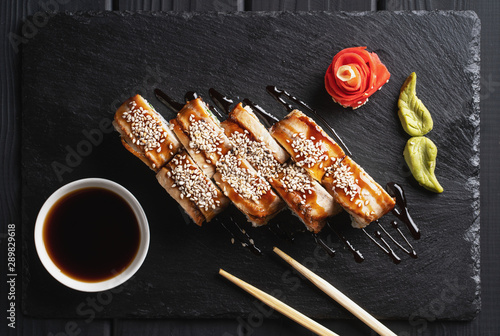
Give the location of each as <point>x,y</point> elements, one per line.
<point>300,318</point>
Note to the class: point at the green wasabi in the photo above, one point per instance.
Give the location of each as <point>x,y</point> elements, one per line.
<point>420,155</point>
<point>414,116</point>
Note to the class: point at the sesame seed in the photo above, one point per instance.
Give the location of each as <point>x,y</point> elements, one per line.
<point>246,183</point>
<point>144,130</point>
<point>295,178</point>
<point>343,179</point>
<point>203,136</point>
<point>308,152</point>
<point>256,153</point>
<point>193,184</point>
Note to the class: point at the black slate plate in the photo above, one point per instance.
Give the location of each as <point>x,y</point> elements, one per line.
<point>80,67</point>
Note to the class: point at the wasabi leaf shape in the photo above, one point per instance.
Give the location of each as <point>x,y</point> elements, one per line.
<point>414,116</point>
<point>420,155</point>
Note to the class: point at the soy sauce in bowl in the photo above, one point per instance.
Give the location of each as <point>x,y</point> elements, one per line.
<point>91,234</point>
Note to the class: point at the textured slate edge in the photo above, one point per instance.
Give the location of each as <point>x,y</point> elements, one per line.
<point>473,235</point>
<point>473,69</point>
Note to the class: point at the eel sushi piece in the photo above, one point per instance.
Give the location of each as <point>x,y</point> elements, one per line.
<point>357,192</point>
<point>191,188</point>
<point>197,155</point>
<point>309,146</point>
<point>245,117</point>
<point>351,187</point>
<point>305,197</point>
<point>238,180</point>
<point>145,133</point>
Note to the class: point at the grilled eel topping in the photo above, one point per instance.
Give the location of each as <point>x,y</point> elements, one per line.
<point>239,181</point>
<point>363,198</point>
<point>189,186</point>
<point>145,133</point>
<point>303,195</point>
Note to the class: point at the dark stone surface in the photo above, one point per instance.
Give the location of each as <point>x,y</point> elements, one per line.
<point>79,67</point>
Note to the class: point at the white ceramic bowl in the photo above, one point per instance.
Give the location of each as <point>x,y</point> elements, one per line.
<point>105,284</point>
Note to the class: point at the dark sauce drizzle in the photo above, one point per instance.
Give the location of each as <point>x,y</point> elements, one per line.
<point>387,249</point>
<point>411,252</point>
<point>265,117</point>
<point>394,189</point>
<point>321,242</point>
<point>358,257</point>
<point>401,211</point>
<point>190,95</point>
<point>168,101</point>
<point>247,241</point>
<point>221,101</point>
<point>277,93</point>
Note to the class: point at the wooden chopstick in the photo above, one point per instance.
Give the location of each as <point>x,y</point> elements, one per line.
<point>337,295</point>
<point>281,307</point>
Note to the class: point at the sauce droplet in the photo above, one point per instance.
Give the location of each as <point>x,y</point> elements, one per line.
<point>221,101</point>
<point>387,249</point>
<point>168,101</point>
<point>321,242</point>
<point>411,252</point>
<point>358,257</point>
<point>190,95</point>
<point>243,237</point>
<point>401,212</point>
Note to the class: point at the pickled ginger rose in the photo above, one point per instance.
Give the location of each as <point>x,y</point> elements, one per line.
<point>354,75</point>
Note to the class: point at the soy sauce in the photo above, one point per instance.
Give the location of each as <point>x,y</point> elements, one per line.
<point>91,234</point>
